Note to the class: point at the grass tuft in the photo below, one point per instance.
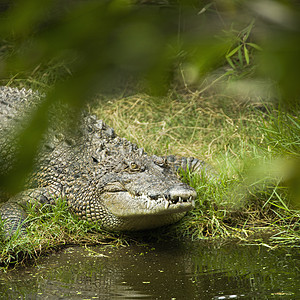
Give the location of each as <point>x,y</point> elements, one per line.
<point>52,227</point>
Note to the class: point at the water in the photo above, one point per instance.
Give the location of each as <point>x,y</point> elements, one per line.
<point>159,271</point>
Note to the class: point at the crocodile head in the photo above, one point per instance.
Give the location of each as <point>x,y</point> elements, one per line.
<point>136,192</point>
<point>147,194</point>
<point>111,181</point>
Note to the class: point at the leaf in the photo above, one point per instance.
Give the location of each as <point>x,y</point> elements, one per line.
<point>246,53</point>
<point>204,9</point>
<point>240,56</point>
<point>249,28</point>
<point>233,51</point>
<point>255,46</point>
<point>230,62</point>
<point>294,121</point>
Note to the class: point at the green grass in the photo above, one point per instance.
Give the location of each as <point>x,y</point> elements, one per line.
<point>50,228</point>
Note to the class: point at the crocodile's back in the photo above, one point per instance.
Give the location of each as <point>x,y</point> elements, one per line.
<point>15,104</point>
<point>15,110</point>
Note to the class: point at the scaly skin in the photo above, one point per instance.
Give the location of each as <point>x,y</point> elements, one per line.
<point>103,177</point>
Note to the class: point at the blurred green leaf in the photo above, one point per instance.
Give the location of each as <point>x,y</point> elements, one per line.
<point>233,51</point>
<point>108,45</point>
<point>240,56</point>
<point>248,31</point>
<point>255,46</point>
<point>246,53</point>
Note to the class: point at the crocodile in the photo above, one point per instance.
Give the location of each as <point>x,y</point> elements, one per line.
<point>103,177</point>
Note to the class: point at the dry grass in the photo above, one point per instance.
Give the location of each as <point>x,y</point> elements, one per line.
<point>188,126</point>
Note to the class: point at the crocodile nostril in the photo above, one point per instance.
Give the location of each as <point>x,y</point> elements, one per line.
<point>153,196</point>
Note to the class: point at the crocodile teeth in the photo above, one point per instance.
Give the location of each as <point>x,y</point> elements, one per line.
<point>148,204</point>
<point>180,200</point>
<point>193,202</point>
<point>167,204</point>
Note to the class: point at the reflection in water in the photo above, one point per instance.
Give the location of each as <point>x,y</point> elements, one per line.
<point>160,271</point>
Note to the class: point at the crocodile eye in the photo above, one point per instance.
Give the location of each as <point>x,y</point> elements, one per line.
<point>133,166</point>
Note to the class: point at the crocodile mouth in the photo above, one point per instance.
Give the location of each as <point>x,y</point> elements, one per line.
<point>150,202</point>
<point>124,204</point>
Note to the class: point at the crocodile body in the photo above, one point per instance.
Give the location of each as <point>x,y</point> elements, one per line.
<point>104,178</point>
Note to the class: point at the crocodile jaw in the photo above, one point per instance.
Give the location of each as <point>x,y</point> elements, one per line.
<point>123,204</point>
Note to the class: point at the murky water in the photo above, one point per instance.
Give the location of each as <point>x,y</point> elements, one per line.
<point>159,271</point>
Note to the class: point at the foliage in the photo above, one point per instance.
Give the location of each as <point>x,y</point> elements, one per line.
<point>243,203</point>
<point>242,48</point>
<point>74,50</point>
<point>283,134</point>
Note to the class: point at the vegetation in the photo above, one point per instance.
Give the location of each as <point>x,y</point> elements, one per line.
<point>246,203</point>
<point>209,88</point>
<point>50,228</point>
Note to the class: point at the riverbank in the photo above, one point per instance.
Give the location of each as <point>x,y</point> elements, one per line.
<point>251,200</point>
